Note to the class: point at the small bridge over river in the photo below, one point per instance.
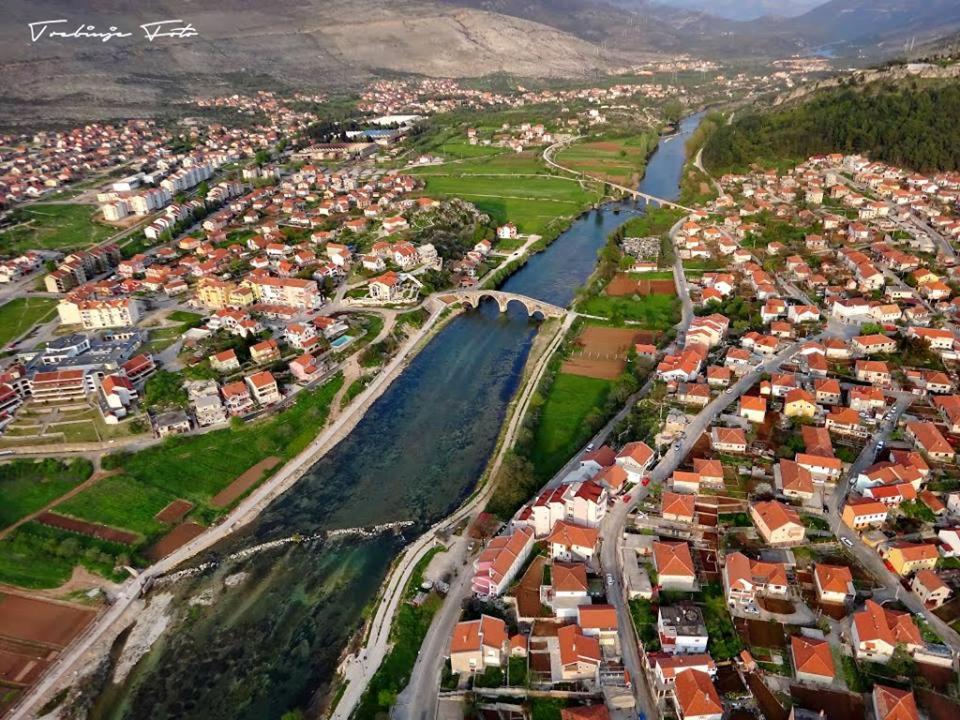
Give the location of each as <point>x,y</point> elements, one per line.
<point>472,298</point>
<point>549,152</point>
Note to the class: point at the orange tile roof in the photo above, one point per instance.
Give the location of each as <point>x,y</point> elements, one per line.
<point>569,577</point>
<point>812,656</point>
<point>833,578</point>
<point>696,694</point>
<point>577,647</point>
<point>677,504</point>
<point>600,617</point>
<point>775,514</point>
<point>894,703</point>
<point>673,558</point>
<point>473,635</point>
<point>570,534</point>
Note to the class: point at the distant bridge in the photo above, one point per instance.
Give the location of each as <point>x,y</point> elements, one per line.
<point>472,298</point>
<point>649,199</point>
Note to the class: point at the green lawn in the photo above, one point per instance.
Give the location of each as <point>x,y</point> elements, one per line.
<point>53,226</point>
<point>653,312</point>
<point>36,556</point>
<point>197,467</point>
<point>514,187</point>
<point>562,430</point>
<point>21,314</point>
<point>26,486</point>
<point>121,501</point>
<point>194,468</point>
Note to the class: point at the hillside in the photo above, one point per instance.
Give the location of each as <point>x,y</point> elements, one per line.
<point>746,9</point>
<point>916,126</point>
<point>875,25</point>
<point>288,43</point>
<point>335,44</point>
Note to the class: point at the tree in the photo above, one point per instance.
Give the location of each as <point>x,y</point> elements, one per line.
<point>164,389</point>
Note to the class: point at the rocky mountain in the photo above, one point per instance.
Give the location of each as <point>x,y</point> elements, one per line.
<point>746,9</point>
<point>877,26</point>
<point>336,44</point>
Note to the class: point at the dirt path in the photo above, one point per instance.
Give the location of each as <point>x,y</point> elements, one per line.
<point>351,366</point>
<point>89,482</point>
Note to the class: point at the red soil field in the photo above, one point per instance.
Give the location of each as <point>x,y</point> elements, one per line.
<point>621,285</point>
<point>174,512</point>
<point>87,528</point>
<point>247,480</point>
<point>17,669</point>
<point>656,287</point>
<point>602,352</point>
<point>180,535</point>
<point>625,284</point>
<point>41,621</point>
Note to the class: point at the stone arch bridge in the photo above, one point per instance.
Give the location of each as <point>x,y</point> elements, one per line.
<point>472,298</point>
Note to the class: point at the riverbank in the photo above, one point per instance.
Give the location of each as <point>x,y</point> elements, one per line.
<point>360,667</point>
<point>97,640</point>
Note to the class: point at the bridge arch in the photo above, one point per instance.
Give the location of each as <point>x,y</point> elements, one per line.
<point>471,299</point>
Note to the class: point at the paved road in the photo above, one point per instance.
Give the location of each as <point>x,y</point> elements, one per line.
<point>865,555</point>
<point>613,525</point>
<point>420,695</point>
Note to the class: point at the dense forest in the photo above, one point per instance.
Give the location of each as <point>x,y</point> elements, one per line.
<point>910,125</point>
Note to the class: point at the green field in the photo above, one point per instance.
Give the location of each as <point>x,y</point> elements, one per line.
<point>562,428</point>
<point>27,486</point>
<point>121,501</point>
<point>21,314</point>
<point>53,226</point>
<point>513,187</point>
<point>198,467</point>
<point>37,556</point>
<point>618,160</point>
<point>653,312</point>
<point>194,468</point>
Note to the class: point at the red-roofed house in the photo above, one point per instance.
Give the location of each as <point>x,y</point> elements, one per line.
<point>812,659</point>
<point>478,644</point>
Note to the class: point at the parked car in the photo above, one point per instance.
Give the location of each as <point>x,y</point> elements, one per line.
<point>609,580</point>
<point>645,481</point>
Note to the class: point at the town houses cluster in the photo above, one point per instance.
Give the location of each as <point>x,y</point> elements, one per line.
<point>809,532</point>
<point>242,269</point>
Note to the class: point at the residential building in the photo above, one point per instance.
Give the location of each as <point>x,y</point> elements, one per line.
<point>812,659</point>
<point>674,565</point>
<point>635,458</point>
<point>579,655</point>
<point>500,561</point>
<point>834,584</point>
<point>890,703</point>
<point>695,697</point>
<point>778,524</point>
<point>478,644</point>
<point>876,631</point>
<point>907,558</point>
<point>931,590</point>
<point>569,541</point>
<point>860,513</point>
<point>263,388</point>
<point>681,630</point>
<point>744,579</point>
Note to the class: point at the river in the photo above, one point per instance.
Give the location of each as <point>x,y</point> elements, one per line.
<point>272,636</point>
